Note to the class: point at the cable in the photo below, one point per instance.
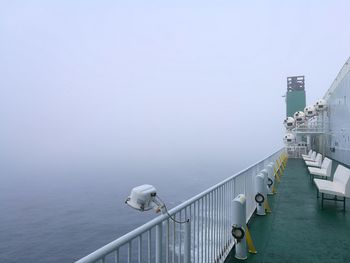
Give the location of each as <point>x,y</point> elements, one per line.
<point>170,216</point>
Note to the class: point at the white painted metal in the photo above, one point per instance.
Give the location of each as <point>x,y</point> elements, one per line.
<point>260,190</point>
<point>337,141</point>
<point>271,177</point>
<point>209,238</point>
<point>239,221</point>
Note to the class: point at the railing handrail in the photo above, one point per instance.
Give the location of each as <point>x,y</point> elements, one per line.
<point>112,246</point>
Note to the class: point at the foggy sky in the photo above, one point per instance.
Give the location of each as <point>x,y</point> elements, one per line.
<point>154,81</point>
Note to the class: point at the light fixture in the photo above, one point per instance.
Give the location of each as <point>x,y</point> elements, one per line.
<point>259,198</point>
<point>238,232</point>
<point>144,198</point>
<point>270,182</point>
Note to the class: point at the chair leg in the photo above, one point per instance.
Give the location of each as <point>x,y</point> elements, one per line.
<point>322,200</point>
<point>344,204</point>
<point>317,195</point>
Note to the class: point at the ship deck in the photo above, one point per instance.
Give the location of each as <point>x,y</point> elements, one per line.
<point>298,229</point>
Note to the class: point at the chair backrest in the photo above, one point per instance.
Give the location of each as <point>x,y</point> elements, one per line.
<point>327,165</point>
<point>342,176</point>
<point>318,159</point>
<point>313,155</point>
<point>310,152</point>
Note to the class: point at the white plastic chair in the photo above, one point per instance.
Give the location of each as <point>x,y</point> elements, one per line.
<point>316,163</point>
<point>311,158</point>
<point>339,187</point>
<point>324,171</point>
<point>307,155</point>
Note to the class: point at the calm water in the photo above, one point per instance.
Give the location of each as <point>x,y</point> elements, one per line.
<point>57,214</point>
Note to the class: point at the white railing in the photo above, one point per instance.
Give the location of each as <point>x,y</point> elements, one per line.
<point>205,238</point>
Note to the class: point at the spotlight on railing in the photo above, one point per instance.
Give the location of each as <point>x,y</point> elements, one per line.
<point>144,198</point>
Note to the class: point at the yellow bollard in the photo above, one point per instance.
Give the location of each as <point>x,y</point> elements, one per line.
<point>267,207</point>
<point>251,247</point>
<point>279,170</point>
<point>276,174</point>
<point>274,189</point>
<point>282,162</point>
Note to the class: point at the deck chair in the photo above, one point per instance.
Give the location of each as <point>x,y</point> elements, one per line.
<point>312,157</point>
<point>307,155</point>
<point>324,171</point>
<point>317,163</point>
<point>339,187</point>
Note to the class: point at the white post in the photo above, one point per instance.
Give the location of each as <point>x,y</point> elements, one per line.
<point>239,222</point>
<point>266,175</point>
<point>260,190</point>
<point>270,178</point>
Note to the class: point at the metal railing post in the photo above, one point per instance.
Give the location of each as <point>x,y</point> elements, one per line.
<point>159,234</point>
<point>187,249</point>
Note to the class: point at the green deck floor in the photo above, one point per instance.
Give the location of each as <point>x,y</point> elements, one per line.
<point>298,230</point>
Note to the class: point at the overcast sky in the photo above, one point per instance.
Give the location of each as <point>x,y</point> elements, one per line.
<point>140,81</point>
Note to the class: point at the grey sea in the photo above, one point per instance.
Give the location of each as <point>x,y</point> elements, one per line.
<point>62,212</point>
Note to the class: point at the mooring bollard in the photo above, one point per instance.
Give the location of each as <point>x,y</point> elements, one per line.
<point>266,176</point>
<point>238,227</point>
<point>260,196</point>
<point>270,178</point>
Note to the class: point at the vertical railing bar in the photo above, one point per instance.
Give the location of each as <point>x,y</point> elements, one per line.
<point>212,227</point>
<point>116,256</point>
<point>149,241</point>
<point>193,229</point>
<point>180,237</point>
<point>167,241</point>
<point>198,230</point>
<point>159,243</point>
<point>224,226</point>
<point>217,223</point>
<point>140,249</point>
<point>228,212</point>
<point>225,218</point>
<point>185,235</point>
<point>209,225</point>
<point>207,228</point>
<point>220,221</point>
<point>174,240</point>
<point>129,251</point>
<point>202,228</point>
<point>223,236</point>
<point>192,243</point>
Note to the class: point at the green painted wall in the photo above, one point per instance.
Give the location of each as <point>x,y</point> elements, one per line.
<point>295,101</point>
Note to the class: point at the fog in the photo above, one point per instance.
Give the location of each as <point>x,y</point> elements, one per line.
<point>157,84</point>
<point>97,97</point>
